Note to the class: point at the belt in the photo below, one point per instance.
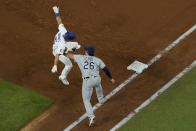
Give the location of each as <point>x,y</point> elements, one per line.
<point>85,78</point>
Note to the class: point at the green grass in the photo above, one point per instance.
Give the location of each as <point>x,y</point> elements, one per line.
<point>18,106</point>
<point>174,110</point>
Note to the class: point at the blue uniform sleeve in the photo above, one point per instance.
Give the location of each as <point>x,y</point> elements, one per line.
<point>107,72</point>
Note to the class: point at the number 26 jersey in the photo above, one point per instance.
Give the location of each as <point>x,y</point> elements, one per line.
<point>89,65</point>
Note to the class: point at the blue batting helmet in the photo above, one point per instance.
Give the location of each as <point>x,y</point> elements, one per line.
<point>90,50</point>
<point>70,36</point>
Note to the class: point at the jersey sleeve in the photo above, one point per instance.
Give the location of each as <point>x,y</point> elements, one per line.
<point>71,45</point>
<point>62,29</point>
<point>77,58</point>
<point>101,64</point>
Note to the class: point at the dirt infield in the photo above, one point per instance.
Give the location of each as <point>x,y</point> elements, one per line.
<point>121,33</point>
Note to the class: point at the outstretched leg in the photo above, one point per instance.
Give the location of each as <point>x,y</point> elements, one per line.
<point>86,96</point>
<point>99,92</point>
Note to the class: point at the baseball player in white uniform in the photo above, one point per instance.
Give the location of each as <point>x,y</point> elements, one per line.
<point>62,46</point>
<point>90,66</point>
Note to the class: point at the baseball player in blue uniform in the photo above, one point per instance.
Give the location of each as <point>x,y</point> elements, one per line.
<point>62,46</point>
<point>90,66</point>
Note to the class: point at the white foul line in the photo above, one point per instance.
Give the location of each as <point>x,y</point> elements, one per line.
<point>153,97</point>
<point>132,77</point>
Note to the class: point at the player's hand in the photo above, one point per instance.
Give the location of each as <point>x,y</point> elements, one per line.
<point>78,47</point>
<point>56,9</point>
<point>112,80</point>
<point>54,69</point>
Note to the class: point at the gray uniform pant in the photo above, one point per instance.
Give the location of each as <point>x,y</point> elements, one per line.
<point>87,91</point>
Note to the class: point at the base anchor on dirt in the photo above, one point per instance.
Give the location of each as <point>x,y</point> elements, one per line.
<point>137,66</point>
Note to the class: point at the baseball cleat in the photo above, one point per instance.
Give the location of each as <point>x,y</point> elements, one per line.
<point>101,100</point>
<point>91,121</point>
<point>64,81</point>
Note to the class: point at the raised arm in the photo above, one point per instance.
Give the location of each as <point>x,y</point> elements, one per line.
<point>58,18</point>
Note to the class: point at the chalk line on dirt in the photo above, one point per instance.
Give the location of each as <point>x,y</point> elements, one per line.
<point>132,77</point>
<point>32,126</point>
<point>153,97</point>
